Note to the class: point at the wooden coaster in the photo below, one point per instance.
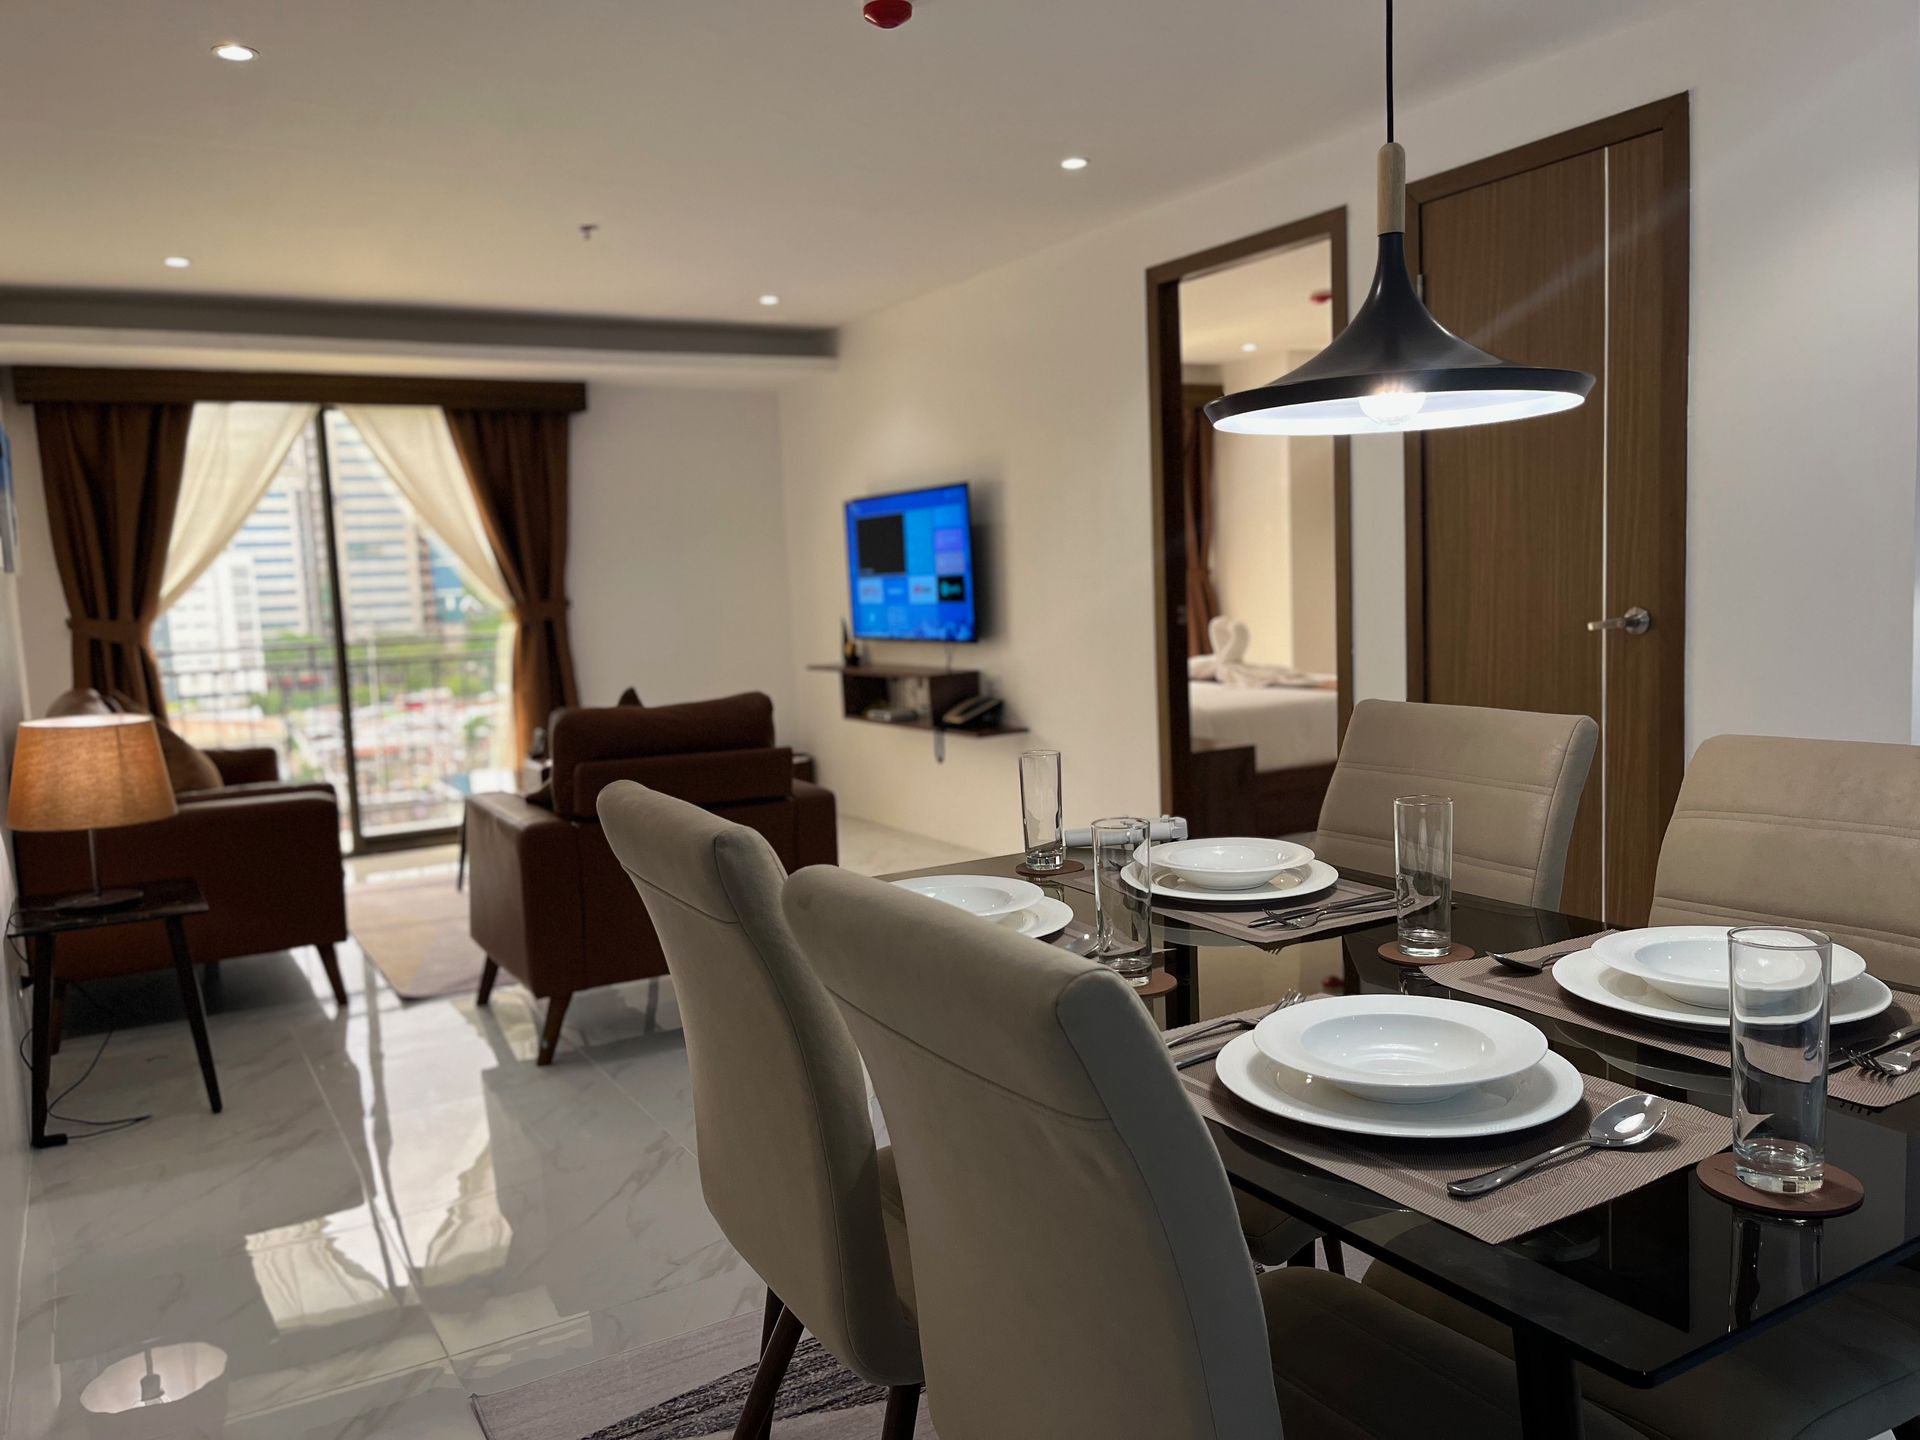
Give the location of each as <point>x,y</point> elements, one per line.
<point>1841,1193</point>
<point>1392,951</point>
<point>1066,867</point>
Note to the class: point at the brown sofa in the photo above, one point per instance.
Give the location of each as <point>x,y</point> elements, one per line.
<point>265,854</point>
<point>550,904</point>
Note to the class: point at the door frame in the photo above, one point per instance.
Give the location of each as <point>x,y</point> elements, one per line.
<point>1164,379</point>
<point>1668,119</point>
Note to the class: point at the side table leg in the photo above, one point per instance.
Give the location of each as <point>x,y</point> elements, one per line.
<point>40,970</point>
<point>196,1016</point>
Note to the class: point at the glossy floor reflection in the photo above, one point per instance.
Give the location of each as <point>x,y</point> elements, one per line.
<point>396,1210</point>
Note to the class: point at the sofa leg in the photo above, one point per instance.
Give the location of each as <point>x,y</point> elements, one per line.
<point>550,1033</point>
<point>488,973</point>
<point>331,962</point>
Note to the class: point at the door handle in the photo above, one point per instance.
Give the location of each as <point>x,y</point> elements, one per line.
<point>1635,622</point>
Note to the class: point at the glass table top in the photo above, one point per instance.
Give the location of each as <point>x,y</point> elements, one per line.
<point>1641,1288</point>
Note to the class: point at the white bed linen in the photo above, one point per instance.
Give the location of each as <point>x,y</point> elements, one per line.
<point>1286,727</point>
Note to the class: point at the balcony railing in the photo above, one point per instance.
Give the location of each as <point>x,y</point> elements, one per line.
<point>425,709</point>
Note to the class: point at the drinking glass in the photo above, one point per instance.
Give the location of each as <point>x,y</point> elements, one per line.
<point>1423,873</point>
<point>1040,811</point>
<point>1779,981</point>
<point>1123,917</point>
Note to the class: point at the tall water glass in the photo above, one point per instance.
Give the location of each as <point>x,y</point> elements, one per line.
<point>1423,873</point>
<point>1780,980</point>
<point>1123,916</point>
<point>1040,812</point>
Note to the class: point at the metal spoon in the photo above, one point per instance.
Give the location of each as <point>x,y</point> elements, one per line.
<point>1625,1122</point>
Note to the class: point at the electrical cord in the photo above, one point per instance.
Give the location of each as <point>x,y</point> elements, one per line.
<point>1389,72</point>
<point>98,1127</point>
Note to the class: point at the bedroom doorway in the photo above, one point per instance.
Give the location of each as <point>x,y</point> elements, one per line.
<point>1251,537</point>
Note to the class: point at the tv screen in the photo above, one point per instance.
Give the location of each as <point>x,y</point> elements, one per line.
<point>910,565</point>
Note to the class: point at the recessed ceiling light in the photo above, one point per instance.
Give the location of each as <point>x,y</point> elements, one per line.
<point>1074,162</point>
<point>769,299</point>
<point>233,50</point>
<point>177,262</point>
<point>1249,347</point>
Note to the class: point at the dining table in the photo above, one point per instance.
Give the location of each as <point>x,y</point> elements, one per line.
<point>1641,1288</point>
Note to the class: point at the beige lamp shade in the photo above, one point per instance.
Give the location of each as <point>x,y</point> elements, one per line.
<point>88,772</point>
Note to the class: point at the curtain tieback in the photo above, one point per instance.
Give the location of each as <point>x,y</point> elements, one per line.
<point>113,632</point>
<point>536,610</point>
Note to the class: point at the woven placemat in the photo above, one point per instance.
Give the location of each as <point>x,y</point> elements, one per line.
<point>1540,995</point>
<point>1236,924</point>
<point>1414,1173</point>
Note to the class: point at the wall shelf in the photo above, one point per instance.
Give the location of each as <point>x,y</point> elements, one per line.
<point>864,686</point>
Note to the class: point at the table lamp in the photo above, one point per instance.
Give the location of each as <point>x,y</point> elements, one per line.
<point>89,772</point>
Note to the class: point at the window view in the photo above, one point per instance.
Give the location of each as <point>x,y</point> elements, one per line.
<point>249,654</point>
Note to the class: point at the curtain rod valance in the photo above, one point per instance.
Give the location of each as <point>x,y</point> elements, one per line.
<point>35,383</point>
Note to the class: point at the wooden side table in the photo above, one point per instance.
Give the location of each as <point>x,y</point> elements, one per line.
<point>164,902</point>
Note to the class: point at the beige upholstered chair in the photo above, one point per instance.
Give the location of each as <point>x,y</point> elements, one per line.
<point>1515,778</point>
<point>1076,1261</point>
<point>1808,832</point>
<point>787,1158</point>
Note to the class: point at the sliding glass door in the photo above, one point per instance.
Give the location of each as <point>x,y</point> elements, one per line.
<point>337,629</point>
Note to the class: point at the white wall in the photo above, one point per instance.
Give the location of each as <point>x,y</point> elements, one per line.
<point>676,560</point>
<point>1253,539</point>
<point>1801,527</point>
<point>677,556</point>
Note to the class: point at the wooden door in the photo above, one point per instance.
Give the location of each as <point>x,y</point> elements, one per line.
<point>1568,252</point>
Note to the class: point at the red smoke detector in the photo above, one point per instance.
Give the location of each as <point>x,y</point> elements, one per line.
<point>1320,297</point>
<point>887,14</point>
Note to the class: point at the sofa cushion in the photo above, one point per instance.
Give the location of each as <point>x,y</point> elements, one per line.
<point>188,766</point>
<point>628,696</point>
<point>633,732</point>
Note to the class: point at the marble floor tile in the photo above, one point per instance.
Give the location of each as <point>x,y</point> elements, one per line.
<point>598,1334</point>
<point>429,1402</point>
<point>653,1070</point>
<point>285,1323</point>
<point>529,1256</point>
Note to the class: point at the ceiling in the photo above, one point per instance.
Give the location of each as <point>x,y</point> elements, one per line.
<point>1266,302</point>
<point>445,152</point>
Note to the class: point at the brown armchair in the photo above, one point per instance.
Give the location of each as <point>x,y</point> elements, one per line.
<point>265,854</point>
<point>549,902</point>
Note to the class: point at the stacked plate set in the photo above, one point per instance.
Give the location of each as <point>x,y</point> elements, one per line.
<point>1407,1066</point>
<point>1678,975</point>
<point>1232,871</point>
<point>1017,904</point>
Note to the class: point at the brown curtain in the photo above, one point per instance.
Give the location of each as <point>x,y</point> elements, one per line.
<point>112,474</point>
<point>517,461</point>
<point>1196,483</point>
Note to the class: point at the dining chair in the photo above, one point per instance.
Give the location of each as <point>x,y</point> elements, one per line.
<point>1077,1267</point>
<point>1515,777</point>
<point>1823,833</point>
<point>785,1144</point>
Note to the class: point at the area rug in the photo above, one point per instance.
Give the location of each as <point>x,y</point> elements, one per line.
<point>414,927</point>
<point>690,1388</point>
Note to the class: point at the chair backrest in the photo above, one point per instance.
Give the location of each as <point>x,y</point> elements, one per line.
<point>1823,833</point>
<point>709,752</point>
<point>786,1150</point>
<point>1078,1263</point>
<point>1515,777</point>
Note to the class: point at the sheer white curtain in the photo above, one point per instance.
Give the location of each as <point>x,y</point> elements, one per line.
<point>415,447</point>
<point>233,450</point>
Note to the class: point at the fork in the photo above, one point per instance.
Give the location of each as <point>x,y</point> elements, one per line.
<point>1891,1066</point>
<point>1292,997</point>
<point>1238,1022</point>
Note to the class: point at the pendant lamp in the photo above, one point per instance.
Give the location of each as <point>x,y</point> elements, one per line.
<point>1395,367</point>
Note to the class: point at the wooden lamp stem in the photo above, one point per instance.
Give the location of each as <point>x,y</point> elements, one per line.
<point>1392,192</point>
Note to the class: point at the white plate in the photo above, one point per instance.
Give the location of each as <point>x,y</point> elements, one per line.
<point>1401,1049</point>
<point>1288,885</point>
<point>1586,975</point>
<point>1042,920</point>
<point>1689,962</point>
<point>1232,863</point>
<point>987,896</point>
<point>1543,1093</point>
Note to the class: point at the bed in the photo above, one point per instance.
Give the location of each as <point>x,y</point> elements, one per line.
<point>1262,756</point>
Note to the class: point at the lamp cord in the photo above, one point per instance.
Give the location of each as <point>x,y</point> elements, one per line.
<point>1389,72</point>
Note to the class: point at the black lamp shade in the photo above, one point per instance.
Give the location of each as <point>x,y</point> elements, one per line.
<point>1394,369</point>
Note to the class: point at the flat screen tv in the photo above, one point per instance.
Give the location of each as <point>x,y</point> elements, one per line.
<point>910,566</point>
